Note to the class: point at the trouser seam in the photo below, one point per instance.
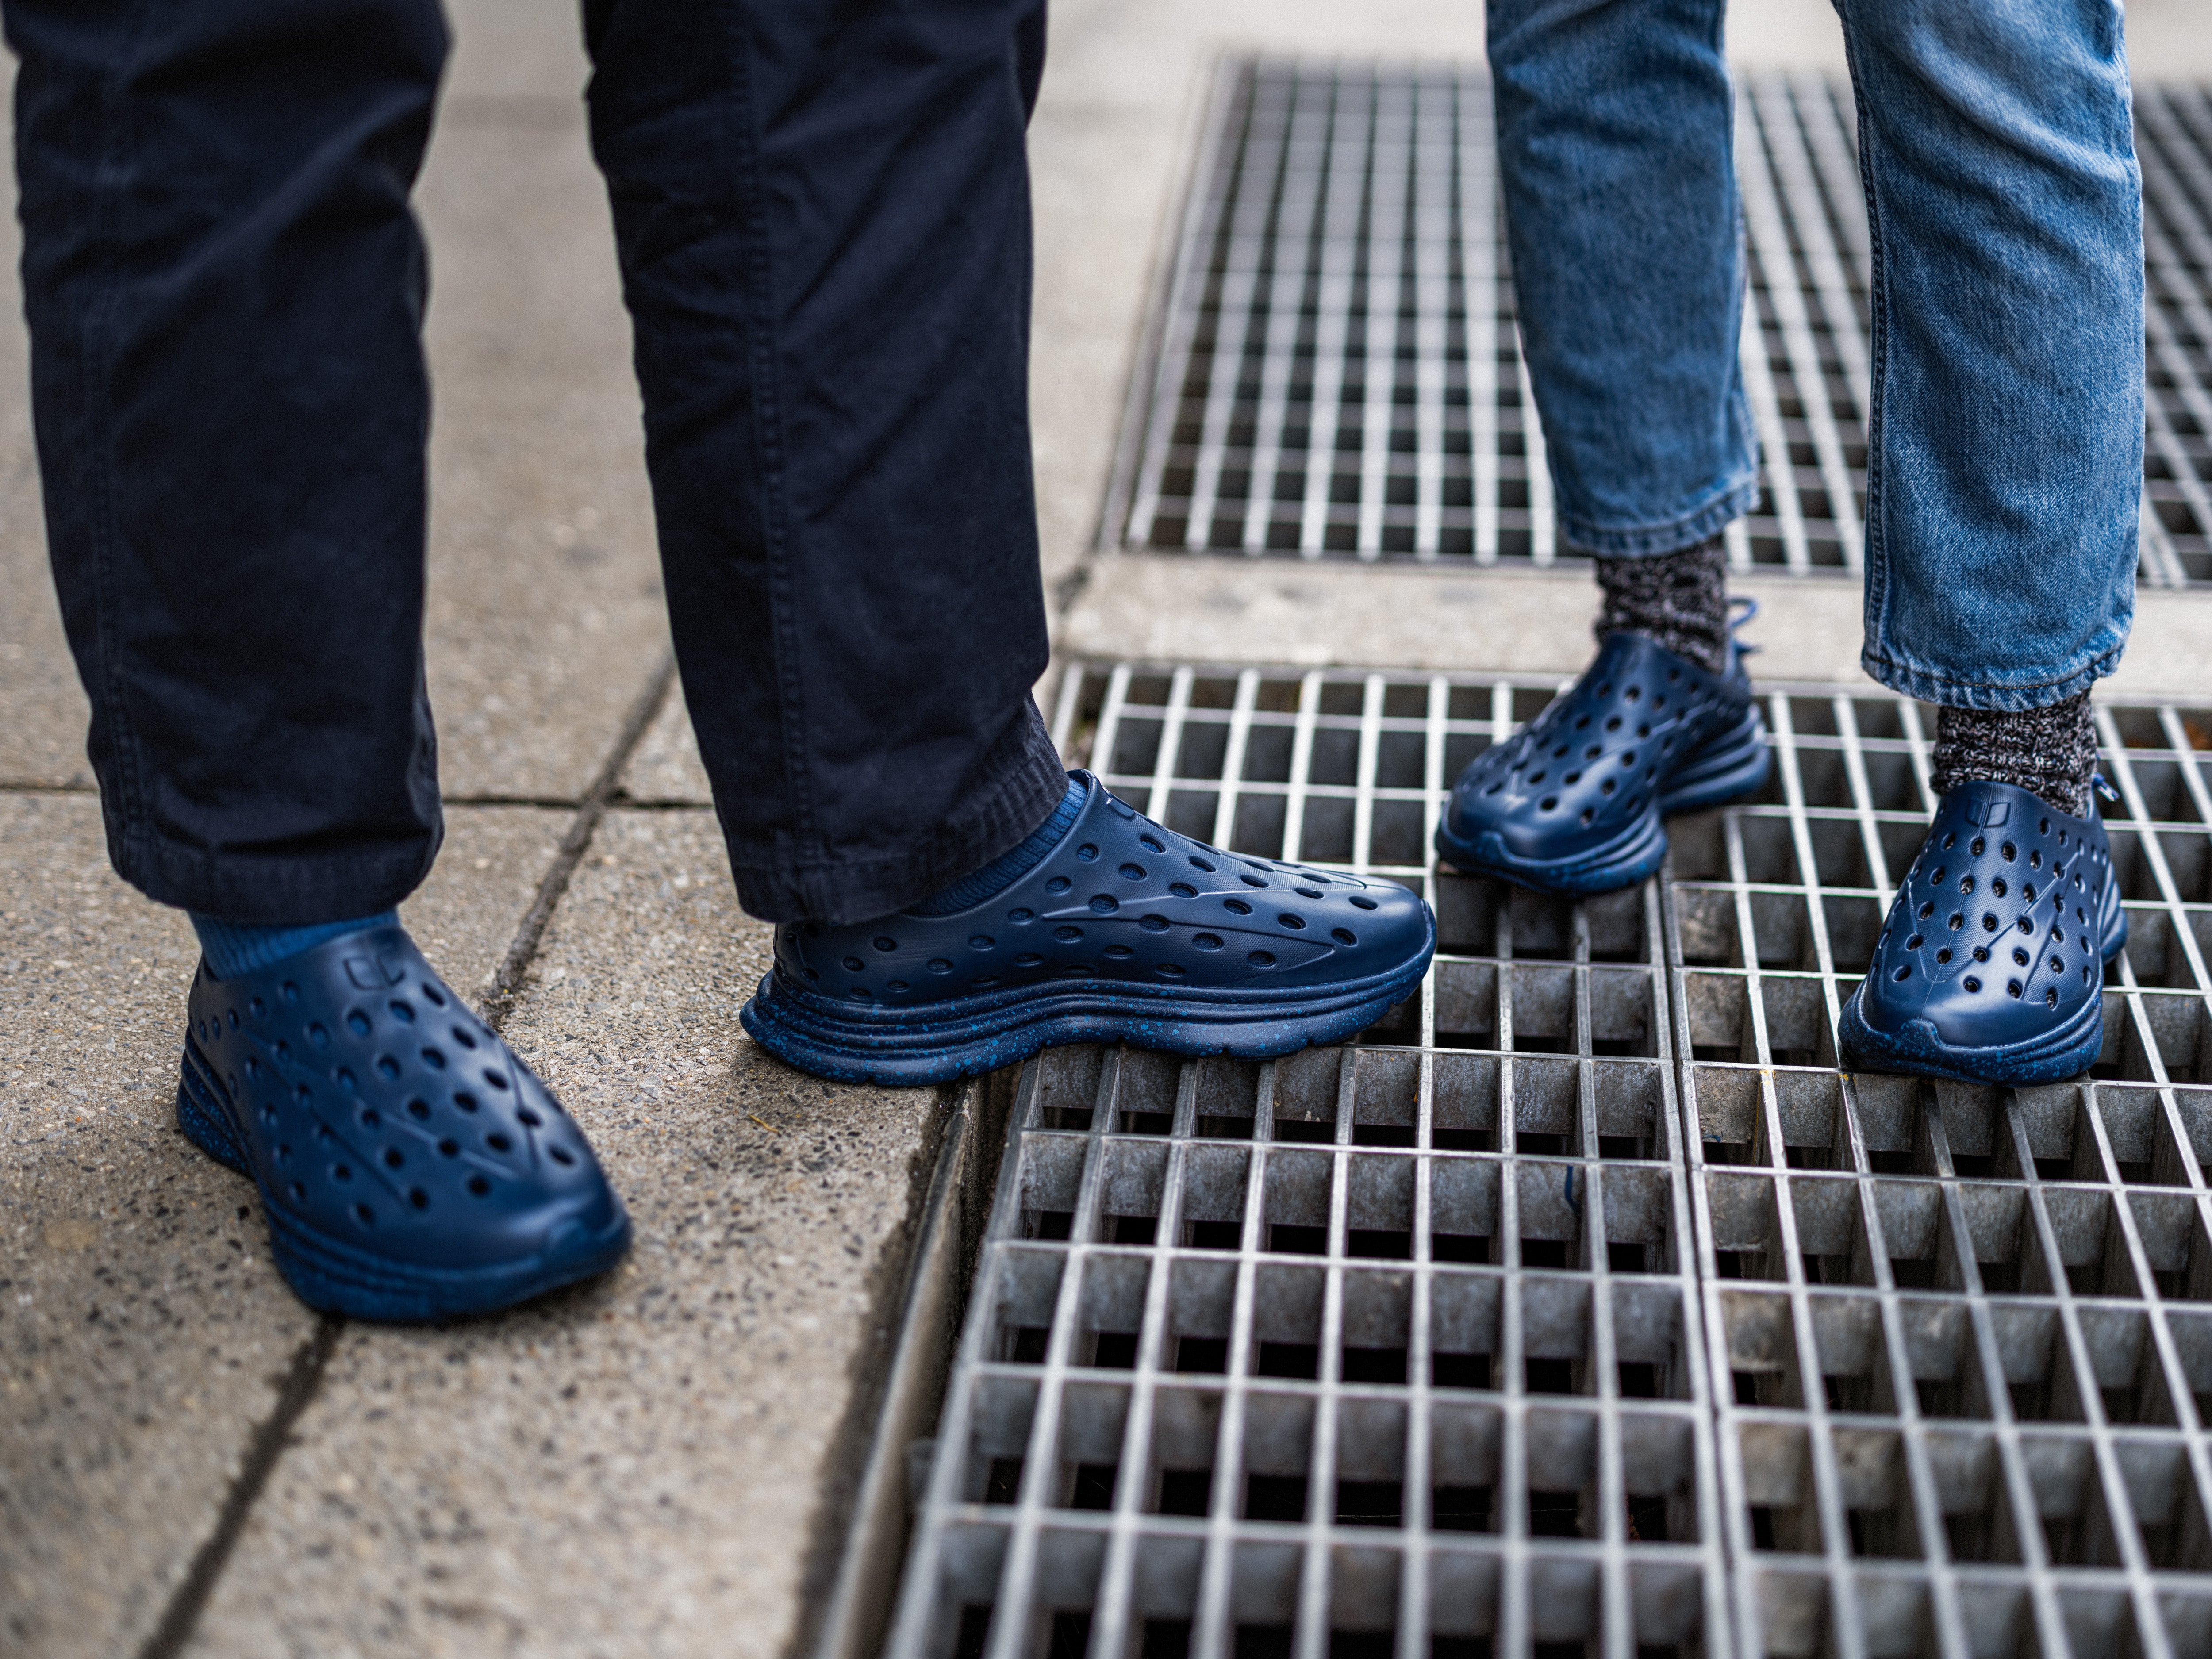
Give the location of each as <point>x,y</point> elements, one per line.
<point>130,842</point>
<point>770,448</point>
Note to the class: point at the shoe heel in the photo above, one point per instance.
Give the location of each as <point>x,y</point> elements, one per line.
<point>201,1117</point>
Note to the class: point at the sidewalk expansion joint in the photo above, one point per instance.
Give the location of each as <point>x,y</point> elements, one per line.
<point>302,1378</point>
<point>506,987</point>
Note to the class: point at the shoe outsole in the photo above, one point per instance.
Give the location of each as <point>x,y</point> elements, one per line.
<point>1734,763</point>
<point>1917,1049</point>
<point>330,1277</point>
<point>982,1033</point>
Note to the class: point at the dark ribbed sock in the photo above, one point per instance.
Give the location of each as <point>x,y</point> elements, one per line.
<point>1003,871</point>
<point>232,948</point>
<point>1678,600</point>
<point>2050,751</point>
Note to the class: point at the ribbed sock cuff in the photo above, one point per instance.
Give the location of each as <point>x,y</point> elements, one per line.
<point>1678,600</point>
<point>234,948</point>
<point>2050,752</point>
<point>1003,871</point>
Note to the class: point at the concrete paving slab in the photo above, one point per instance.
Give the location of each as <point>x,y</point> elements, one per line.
<point>664,769</point>
<point>1170,608</point>
<point>142,1330</point>
<point>640,1466</point>
<point>545,619</point>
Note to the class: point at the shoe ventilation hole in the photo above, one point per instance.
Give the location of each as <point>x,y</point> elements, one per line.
<point>1927,910</point>
<point>1344,936</point>
<point>886,944</point>
<point>1957,922</point>
<point>1363,903</point>
<point>1021,917</point>
<point>562,1156</point>
<point>1981,953</point>
<point>1201,864</point>
<point>1261,959</point>
<point>1997,888</point>
<point>1548,802</point>
<point>1133,873</point>
<point>1067,935</point>
<point>1237,907</point>
<point>1988,922</point>
<point>1086,854</point>
<point>498,1143</point>
<point>1104,904</point>
<point>1153,924</point>
<point>402,1011</point>
<point>2050,998</point>
<point>1588,813</point>
<point>1943,954</point>
<point>364,1215</point>
<point>356,1021</point>
<point>528,1119</point>
<point>2013,987</point>
<point>1058,884</point>
<point>418,1198</point>
<point>1972,983</point>
<point>449,1147</point>
<point>1902,975</point>
<point>1966,882</point>
<point>1976,847</point>
<point>2018,958</point>
<point>479,1185</point>
<point>435,1060</point>
<point>1207,941</point>
<point>1152,845</point>
<point>1170,969</point>
<point>1296,923</point>
<point>1913,944</point>
<point>393,1158</point>
<point>1253,881</point>
<point>464,1100</point>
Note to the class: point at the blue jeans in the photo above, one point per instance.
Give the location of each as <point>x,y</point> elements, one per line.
<point>2004,462</point>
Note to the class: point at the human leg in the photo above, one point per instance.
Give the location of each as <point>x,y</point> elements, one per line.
<point>823,216</point>
<point>2004,473</point>
<point>824,222</point>
<point>1614,128</point>
<point>225,287</point>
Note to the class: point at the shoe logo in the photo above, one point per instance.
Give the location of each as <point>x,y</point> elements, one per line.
<point>372,974</point>
<point>1988,813</point>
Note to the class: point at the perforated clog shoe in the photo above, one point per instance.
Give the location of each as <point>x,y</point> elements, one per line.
<point>411,1167</point>
<point>1572,803</point>
<point>1126,932</point>
<point>1989,968</point>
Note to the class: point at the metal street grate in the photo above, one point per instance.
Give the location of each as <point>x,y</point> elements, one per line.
<point>1583,1308</point>
<point>1338,372</point>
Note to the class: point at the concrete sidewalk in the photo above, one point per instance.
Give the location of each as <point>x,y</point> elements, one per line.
<point>659,1464</point>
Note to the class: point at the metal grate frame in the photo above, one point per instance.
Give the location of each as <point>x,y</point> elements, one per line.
<point>1339,372</point>
<point>1582,1306</point>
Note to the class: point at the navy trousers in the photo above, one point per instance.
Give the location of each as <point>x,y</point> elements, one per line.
<point>822,216</point>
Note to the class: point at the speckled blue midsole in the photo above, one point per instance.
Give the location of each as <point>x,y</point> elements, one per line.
<point>969,1036</point>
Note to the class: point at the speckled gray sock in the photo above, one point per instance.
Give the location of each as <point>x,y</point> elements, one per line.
<point>1678,600</point>
<point>2051,751</point>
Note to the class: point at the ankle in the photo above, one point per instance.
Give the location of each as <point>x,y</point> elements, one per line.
<point>232,948</point>
<point>2050,751</point>
<point>1010,867</point>
<point>1676,600</point>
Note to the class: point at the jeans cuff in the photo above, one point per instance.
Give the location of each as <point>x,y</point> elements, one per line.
<point>1023,782</point>
<point>1931,686</point>
<point>1645,541</point>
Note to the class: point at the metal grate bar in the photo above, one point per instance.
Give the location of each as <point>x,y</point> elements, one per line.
<point>1340,375</point>
<point>1409,1347</point>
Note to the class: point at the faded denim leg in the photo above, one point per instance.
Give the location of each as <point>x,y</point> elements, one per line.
<point>1616,141</point>
<point>2005,461</point>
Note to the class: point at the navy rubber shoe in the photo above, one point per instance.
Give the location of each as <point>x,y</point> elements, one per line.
<point>1572,802</point>
<point>1989,968</point>
<point>411,1167</point>
<point>1126,932</point>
